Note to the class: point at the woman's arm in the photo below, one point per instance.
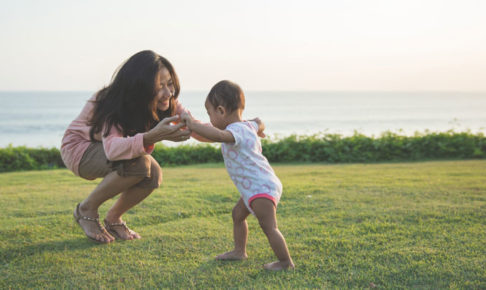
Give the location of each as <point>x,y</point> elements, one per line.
<point>118,147</point>
<point>208,132</point>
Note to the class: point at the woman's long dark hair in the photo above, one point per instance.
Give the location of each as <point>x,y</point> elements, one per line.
<point>128,102</point>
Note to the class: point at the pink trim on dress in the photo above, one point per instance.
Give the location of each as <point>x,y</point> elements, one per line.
<point>262,195</point>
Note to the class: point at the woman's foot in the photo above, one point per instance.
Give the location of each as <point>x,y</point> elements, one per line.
<point>277,266</point>
<point>90,224</point>
<point>120,230</point>
<point>232,256</point>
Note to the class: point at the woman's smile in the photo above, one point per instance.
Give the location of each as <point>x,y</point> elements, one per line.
<point>163,104</point>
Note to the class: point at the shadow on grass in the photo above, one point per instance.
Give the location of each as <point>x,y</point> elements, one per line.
<point>24,252</point>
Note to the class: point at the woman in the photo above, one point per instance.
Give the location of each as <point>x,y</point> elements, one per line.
<point>114,136</point>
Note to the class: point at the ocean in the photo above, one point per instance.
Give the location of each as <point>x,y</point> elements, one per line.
<point>38,119</point>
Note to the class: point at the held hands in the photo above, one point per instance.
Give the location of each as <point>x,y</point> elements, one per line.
<point>186,119</point>
<point>261,127</point>
<point>164,130</point>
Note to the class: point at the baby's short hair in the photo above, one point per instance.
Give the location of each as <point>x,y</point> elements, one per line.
<point>227,94</point>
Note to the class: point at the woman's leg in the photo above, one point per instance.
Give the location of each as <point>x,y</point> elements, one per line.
<point>265,212</point>
<point>133,196</point>
<point>240,233</point>
<point>109,187</point>
<point>142,172</point>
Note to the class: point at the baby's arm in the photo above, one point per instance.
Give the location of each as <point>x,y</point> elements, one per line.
<point>208,132</point>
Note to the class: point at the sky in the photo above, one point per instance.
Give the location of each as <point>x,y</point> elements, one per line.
<point>413,45</point>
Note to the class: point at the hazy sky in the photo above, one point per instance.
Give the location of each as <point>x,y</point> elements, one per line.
<point>262,45</point>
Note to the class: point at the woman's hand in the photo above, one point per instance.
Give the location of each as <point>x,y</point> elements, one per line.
<point>261,127</point>
<point>186,118</point>
<point>165,131</point>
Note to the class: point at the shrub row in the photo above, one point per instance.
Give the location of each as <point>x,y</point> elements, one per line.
<point>23,158</point>
<point>330,148</point>
<point>387,147</point>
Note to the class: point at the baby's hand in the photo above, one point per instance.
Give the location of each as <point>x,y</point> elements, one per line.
<point>186,118</point>
<point>261,127</point>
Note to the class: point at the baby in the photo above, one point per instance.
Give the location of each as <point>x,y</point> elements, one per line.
<point>259,187</point>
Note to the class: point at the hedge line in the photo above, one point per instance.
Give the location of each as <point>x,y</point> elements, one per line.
<point>388,146</point>
<point>332,148</point>
<point>23,158</point>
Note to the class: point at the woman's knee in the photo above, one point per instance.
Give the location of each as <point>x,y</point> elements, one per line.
<point>154,178</point>
<point>156,175</point>
<point>140,166</point>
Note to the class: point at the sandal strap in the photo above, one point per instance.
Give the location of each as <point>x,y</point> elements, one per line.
<point>122,224</point>
<point>110,226</point>
<point>89,219</point>
<point>95,220</point>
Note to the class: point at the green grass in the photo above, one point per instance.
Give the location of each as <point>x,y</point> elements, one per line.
<point>396,225</point>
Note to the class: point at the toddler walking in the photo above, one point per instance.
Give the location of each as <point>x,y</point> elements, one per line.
<point>259,187</point>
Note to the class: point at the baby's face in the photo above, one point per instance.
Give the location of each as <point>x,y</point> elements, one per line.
<point>216,116</point>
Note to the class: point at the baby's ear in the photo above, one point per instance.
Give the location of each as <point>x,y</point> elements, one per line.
<point>221,110</point>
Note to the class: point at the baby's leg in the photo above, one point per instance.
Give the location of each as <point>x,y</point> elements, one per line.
<point>240,233</point>
<point>265,212</point>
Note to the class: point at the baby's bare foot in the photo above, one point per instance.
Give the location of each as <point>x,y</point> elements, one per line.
<point>277,266</point>
<point>232,256</point>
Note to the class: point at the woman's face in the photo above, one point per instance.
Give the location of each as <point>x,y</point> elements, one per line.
<point>164,88</point>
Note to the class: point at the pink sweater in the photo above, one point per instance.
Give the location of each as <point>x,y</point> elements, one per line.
<point>76,140</point>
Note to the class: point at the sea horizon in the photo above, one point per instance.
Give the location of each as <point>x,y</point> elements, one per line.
<point>39,118</point>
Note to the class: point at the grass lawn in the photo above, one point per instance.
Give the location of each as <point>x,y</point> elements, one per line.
<point>393,225</point>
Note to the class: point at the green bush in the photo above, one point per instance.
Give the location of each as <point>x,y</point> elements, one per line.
<point>388,146</point>
<point>187,154</point>
<point>331,148</point>
<point>23,158</point>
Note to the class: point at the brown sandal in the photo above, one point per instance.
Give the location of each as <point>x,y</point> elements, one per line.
<point>78,216</point>
<point>109,227</point>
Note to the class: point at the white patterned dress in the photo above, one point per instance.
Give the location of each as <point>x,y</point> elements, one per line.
<point>247,167</point>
